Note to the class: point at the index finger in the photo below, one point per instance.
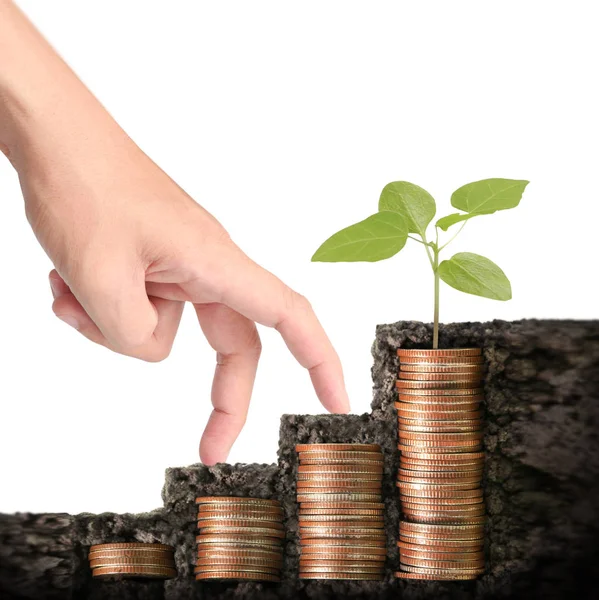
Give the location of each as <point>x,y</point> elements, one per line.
<point>262,297</point>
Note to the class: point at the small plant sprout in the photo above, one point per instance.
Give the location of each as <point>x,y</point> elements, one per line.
<point>406,211</point>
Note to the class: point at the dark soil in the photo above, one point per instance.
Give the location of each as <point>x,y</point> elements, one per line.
<point>541,485</point>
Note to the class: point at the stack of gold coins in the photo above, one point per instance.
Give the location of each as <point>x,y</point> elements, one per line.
<point>441,464</point>
<point>132,560</point>
<point>341,517</point>
<point>240,538</point>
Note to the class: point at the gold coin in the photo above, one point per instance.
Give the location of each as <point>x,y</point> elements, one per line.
<point>449,530</point>
<point>410,569</point>
<point>237,539</point>
<point>339,485</point>
<point>226,562</point>
<point>423,487</point>
<point>130,546</point>
<point>363,476</point>
<point>440,377</point>
<point>343,505</point>
<point>438,394</point>
<point>465,361</point>
<point>410,475</point>
<point>441,466</point>
<point>354,576</point>
<point>438,492</point>
<point>449,456</point>
<point>441,509</point>
<point>148,561</point>
<point>276,571</point>
<point>211,524</point>
<point>339,569</point>
<point>262,531</point>
<point>464,483</point>
<point>376,546</point>
<point>437,352</point>
<point>427,554</point>
<point>133,554</point>
<point>247,575</point>
<point>341,461</point>
<point>230,553</point>
<point>435,577</point>
<point>460,449</point>
<point>349,518</point>
<point>317,495</point>
<point>340,469</point>
<point>339,531</point>
<point>343,447</point>
<point>348,512</point>
<point>333,456</point>
<point>135,571</point>
<point>436,437</point>
<point>435,412</point>
<point>466,549</point>
<point>328,557</point>
<point>475,369</point>
<point>243,516</point>
<point>237,500</point>
<point>438,564</point>
<point>476,427</point>
<point>267,512</point>
<point>429,518</point>
<point>439,387</point>
<point>458,420</point>
<point>436,356</point>
<point>463,545</point>
<point>448,502</point>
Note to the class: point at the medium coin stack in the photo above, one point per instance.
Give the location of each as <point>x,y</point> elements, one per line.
<point>341,517</point>
<point>155,561</point>
<point>441,464</point>
<point>240,538</point>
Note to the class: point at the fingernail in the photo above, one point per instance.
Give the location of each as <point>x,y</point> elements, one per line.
<point>69,321</point>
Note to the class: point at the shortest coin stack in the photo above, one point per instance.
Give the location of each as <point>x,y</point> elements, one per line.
<point>132,559</point>
<point>240,538</point>
<point>341,517</point>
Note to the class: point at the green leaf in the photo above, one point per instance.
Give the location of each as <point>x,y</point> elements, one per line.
<point>488,195</point>
<point>483,198</point>
<point>446,222</point>
<point>475,274</point>
<point>380,236</point>
<point>414,204</point>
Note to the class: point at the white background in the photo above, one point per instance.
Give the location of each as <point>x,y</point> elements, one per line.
<point>286,120</point>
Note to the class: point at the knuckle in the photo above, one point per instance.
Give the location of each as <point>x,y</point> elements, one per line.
<point>155,354</point>
<point>295,302</point>
<point>254,344</point>
<point>132,340</point>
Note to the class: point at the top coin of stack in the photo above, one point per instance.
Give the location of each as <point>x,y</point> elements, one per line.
<point>341,520</point>
<point>132,559</point>
<point>441,464</point>
<point>240,538</point>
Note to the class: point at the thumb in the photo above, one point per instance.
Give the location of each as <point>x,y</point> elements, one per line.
<point>117,301</point>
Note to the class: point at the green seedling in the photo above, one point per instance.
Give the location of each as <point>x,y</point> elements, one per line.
<point>405,212</point>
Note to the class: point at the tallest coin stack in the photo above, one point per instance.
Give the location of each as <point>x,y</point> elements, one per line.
<point>441,464</point>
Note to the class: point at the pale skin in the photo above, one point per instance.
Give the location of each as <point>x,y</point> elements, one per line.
<point>130,247</point>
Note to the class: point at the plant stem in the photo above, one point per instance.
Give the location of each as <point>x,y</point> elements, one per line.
<point>436,312</point>
<point>417,240</point>
<point>454,236</point>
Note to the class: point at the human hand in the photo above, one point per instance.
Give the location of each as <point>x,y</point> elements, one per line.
<point>130,246</point>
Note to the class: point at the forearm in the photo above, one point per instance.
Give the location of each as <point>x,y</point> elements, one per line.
<point>43,105</point>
